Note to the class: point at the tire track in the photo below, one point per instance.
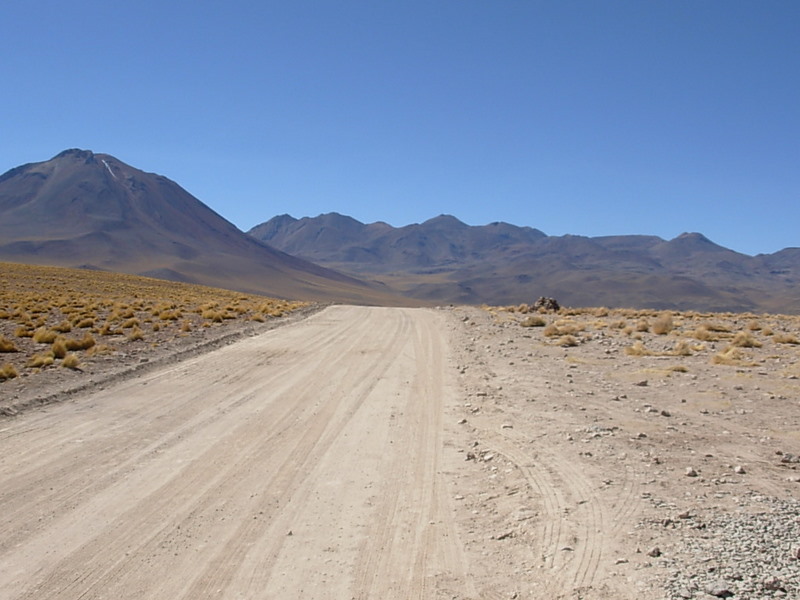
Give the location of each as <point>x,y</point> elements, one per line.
<point>413,526</point>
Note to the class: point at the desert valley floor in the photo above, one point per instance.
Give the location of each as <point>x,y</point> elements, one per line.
<point>417,453</point>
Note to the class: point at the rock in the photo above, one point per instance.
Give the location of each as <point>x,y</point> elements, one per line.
<point>655,552</point>
<point>719,589</point>
<point>642,383</point>
<point>773,584</point>
<point>739,470</point>
<point>690,472</point>
<point>549,304</point>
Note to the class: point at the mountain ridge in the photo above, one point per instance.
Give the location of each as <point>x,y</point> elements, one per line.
<point>443,259</point>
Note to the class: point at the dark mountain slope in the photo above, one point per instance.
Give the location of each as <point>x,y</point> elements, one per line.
<point>92,210</point>
<point>444,259</point>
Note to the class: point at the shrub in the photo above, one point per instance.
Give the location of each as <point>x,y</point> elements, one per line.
<point>732,356</point>
<point>703,334</point>
<point>70,361</point>
<point>744,340</point>
<point>785,338</point>
<point>107,329</point>
<point>130,323</point>
<point>7,345</point>
<point>86,342</point>
<point>663,324</point>
<point>135,335</point>
<point>8,372</point>
<point>638,349</point>
<point>40,360</point>
<point>85,323</point>
<point>44,336</point>
<point>551,330</point>
<point>59,348</point>
<point>682,348</point>
<point>63,327</point>
<point>567,341</point>
<point>533,321</point>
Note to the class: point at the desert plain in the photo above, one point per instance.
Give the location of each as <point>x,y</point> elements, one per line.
<point>338,452</point>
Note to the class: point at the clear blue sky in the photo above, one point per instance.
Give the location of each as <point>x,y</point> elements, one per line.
<point>595,118</point>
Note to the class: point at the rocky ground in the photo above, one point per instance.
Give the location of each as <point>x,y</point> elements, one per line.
<point>619,462</point>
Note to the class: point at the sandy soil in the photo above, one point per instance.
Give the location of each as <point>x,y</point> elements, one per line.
<point>392,453</point>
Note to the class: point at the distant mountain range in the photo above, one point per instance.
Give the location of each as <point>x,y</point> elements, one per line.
<point>81,209</point>
<point>444,259</point>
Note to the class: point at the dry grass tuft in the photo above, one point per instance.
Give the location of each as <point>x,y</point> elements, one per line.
<point>533,321</point>
<point>682,348</point>
<point>732,356</point>
<point>86,342</point>
<point>63,327</point>
<point>38,361</point>
<point>638,349</point>
<point>7,345</point>
<point>785,338</point>
<point>44,336</point>
<point>567,341</point>
<point>59,348</point>
<point>663,324</point>
<point>743,339</point>
<point>70,361</point>
<point>8,372</point>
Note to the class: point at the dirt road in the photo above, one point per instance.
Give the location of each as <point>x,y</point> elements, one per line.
<point>413,453</point>
<point>306,462</point>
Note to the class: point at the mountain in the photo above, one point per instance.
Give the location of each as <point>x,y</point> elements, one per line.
<point>81,209</point>
<point>445,260</point>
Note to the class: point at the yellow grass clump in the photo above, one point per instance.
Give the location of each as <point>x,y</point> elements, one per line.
<point>70,361</point>
<point>663,324</point>
<point>7,345</point>
<point>785,338</point>
<point>44,336</point>
<point>743,339</point>
<point>533,321</point>
<point>638,349</point>
<point>41,360</point>
<point>8,372</point>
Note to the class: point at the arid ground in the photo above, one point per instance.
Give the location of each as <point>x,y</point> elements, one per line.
<point>414,453</point>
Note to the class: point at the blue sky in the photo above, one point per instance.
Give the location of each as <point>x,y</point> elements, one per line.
<point>591,118</point>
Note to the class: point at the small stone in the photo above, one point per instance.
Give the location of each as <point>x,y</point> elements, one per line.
<point>739,470</point>
<point>774,584</point>
<point>690,472</point>
<point>642,383</point>
<point>655,552</point>
<point>462,422</point>
<point>719,589</point>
